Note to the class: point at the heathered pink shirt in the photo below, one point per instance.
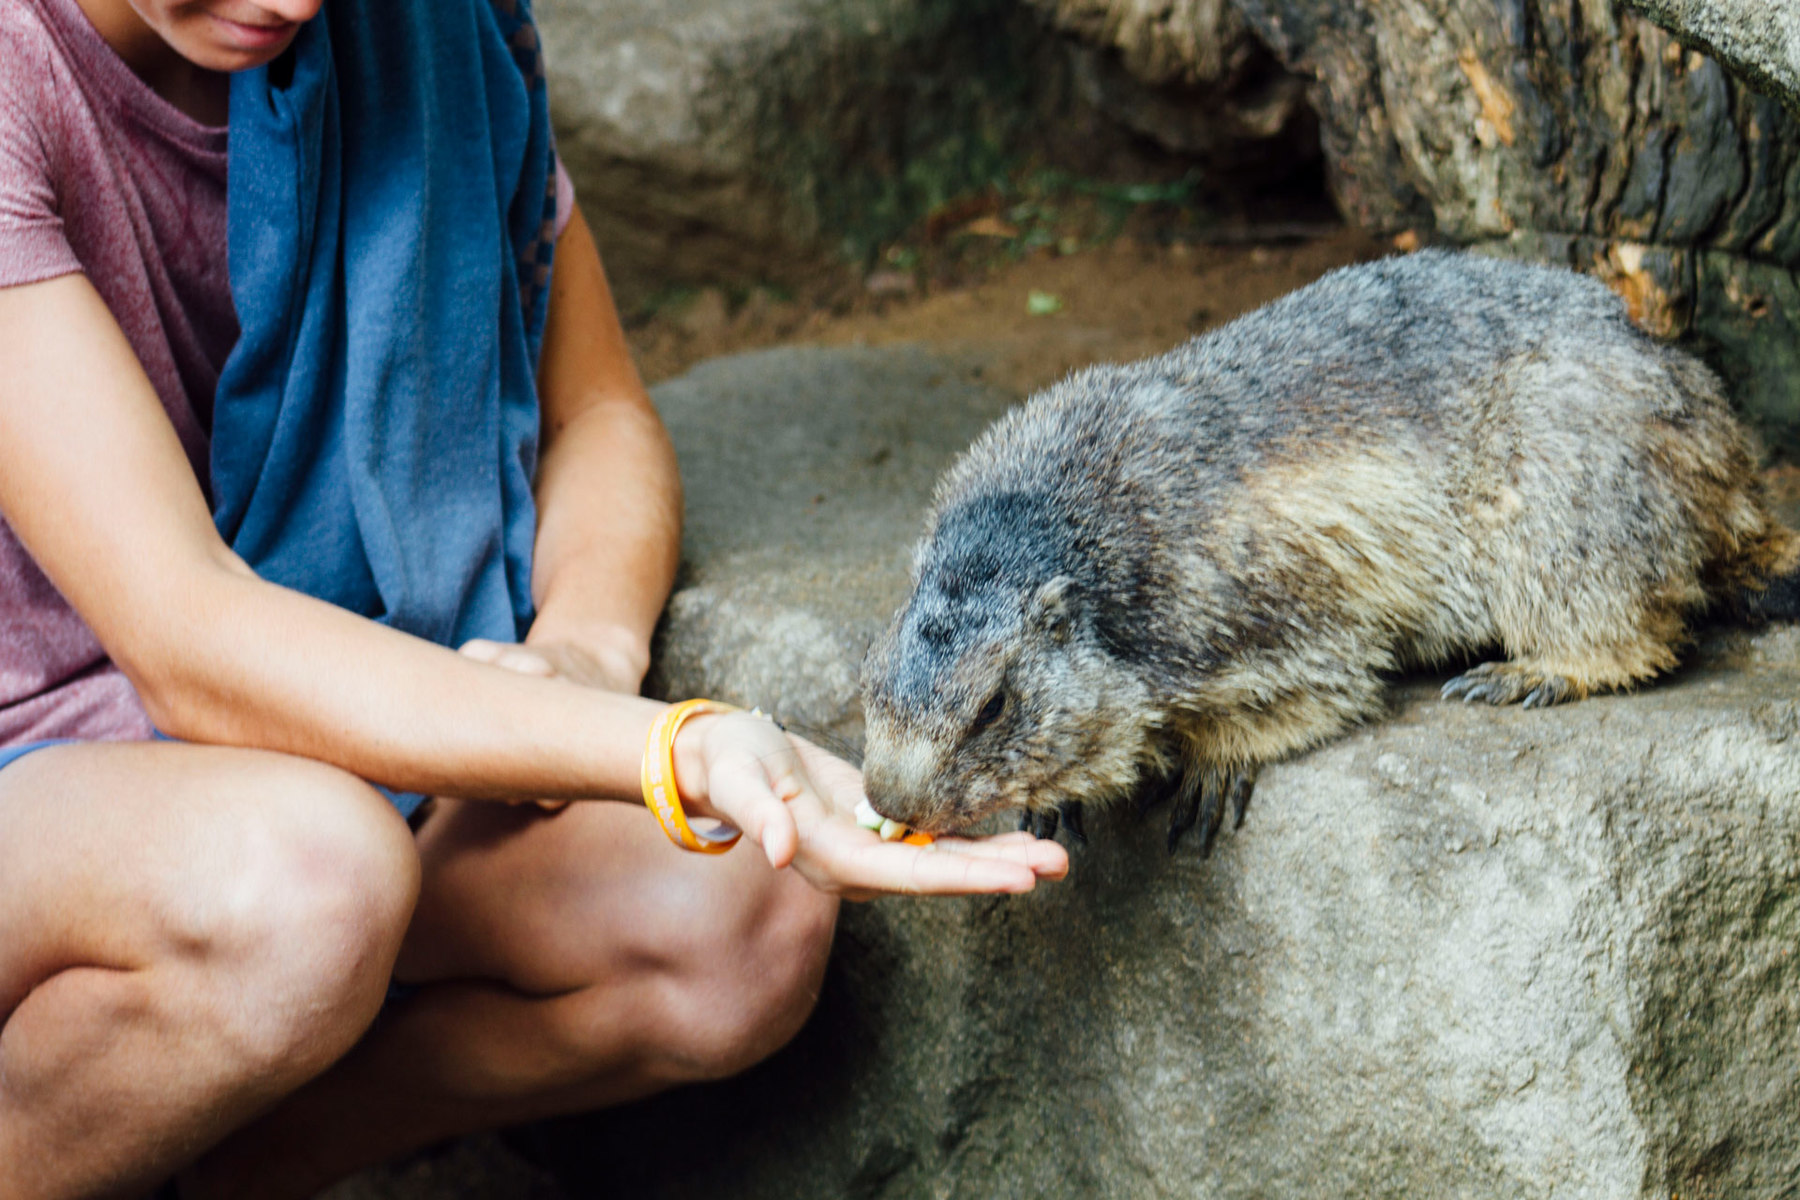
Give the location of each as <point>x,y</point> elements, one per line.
<point>99,174</point>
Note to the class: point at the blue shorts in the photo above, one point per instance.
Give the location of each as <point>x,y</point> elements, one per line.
<point>8,754</point>
<point>407,802</point>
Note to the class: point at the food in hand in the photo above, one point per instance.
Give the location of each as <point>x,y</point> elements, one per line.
<point>890,831</point>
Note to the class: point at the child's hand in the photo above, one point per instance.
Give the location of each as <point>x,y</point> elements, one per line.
<point>797,804</point>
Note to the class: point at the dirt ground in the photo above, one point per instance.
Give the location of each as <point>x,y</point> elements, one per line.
<point>1045,313</point>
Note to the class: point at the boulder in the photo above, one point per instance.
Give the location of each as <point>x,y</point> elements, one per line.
<point>740,141</point>
<point>1459,952</point>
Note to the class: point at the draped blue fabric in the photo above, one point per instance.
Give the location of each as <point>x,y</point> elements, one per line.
<point>375,428</point>
<point>391,206</point>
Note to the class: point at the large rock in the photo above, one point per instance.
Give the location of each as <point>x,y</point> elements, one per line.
<point>1578,133</point>
<point>1460,952</point>
<point>746,141</point>
<point>741,140</point>
<point>1758,38</point>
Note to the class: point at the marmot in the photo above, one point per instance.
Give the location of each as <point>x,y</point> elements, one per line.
<point>1186,567</point>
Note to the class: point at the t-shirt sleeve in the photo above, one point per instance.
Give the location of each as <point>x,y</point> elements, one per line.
<point>33,246</point>
<point>565,197</point>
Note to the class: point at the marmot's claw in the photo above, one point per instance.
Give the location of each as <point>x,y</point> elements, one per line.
<point>1072,820</point>
<point>1186,809</point>
<point>1212,811</point>
<point>1553,690</point>
<point>1202,800</point>
<point>1242,784</point>
<point>1039,824</point>
<point>1044,824</point>
<point>1468,686</point>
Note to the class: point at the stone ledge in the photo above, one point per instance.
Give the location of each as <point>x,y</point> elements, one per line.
<point>1458,952</point>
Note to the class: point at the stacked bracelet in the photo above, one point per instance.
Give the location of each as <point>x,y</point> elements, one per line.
<point>660,793</point>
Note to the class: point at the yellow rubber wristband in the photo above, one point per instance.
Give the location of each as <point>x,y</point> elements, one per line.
<point>660,793</point>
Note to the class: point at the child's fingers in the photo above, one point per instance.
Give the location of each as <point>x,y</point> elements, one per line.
<point>923,871</point>
<point>740,787</point>
<point>779,839</point>
<point>855,861</point>
<point>508,657</point>
<point>480,649</point>
<point>1045,858</point>
<point>771,791</point>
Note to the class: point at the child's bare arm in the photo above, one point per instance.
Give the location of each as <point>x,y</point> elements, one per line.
<point>95,483</point>
<point>609,497</point>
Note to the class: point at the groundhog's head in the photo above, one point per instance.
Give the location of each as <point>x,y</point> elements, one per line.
<point>991,689</point>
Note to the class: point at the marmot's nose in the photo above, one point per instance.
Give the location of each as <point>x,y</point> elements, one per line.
<point>878,785</point>
<point>888,798</point>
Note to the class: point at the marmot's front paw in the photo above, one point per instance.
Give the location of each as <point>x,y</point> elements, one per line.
<point>1507,682</point>
<point>1044,824</point>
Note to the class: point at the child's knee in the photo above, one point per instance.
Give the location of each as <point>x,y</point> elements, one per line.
<point>298,916</point>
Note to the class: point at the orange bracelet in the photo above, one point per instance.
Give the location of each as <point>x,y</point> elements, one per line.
<point>660,793</point>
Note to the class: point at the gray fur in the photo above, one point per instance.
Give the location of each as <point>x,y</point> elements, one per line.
<point>1207,560</point>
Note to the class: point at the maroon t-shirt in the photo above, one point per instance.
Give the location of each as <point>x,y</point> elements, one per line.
<point>101,175</point>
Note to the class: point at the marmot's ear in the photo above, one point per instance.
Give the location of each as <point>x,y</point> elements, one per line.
<point>1052,609</point>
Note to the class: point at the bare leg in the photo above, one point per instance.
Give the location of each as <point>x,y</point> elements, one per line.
<point>186,934</point>
<point>567,962</point>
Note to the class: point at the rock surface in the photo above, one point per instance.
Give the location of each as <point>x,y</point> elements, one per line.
<point>1576,133</point>
<point>739,142</point>
<point>736,140</point>
<point>1757,38</point>
<point>1460,952</point>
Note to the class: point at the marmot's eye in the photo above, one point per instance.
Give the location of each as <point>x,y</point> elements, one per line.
<point>990,712</point>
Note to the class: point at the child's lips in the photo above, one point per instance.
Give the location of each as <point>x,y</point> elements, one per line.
<point>256,37</point>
